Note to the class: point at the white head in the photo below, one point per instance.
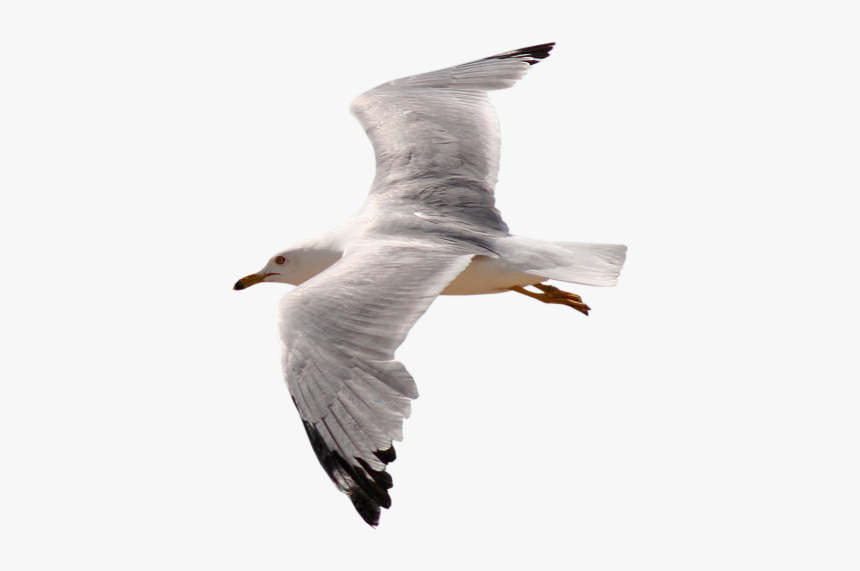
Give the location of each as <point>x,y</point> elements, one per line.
<point>295,265</point>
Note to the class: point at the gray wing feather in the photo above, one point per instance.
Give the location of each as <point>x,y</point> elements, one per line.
<point>436,138</point>
<point>338,335</point>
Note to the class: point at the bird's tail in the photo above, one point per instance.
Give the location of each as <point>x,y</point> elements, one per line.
<point>574,262</point>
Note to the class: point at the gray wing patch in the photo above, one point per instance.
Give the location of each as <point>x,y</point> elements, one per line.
<point>436,138</point>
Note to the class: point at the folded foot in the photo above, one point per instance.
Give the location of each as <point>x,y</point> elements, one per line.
<point>554,295</point>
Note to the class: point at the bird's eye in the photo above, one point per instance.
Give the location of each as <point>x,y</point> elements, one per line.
<point>280,260</point>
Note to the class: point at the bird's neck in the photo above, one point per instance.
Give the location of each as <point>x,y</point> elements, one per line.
<point>315,255</point>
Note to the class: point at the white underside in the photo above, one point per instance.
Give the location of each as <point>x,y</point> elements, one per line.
<point>489,275</point>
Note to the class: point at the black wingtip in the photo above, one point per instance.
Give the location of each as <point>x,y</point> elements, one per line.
<point>386,456</point>
<point>367,488</point>
<point>368,495</point>
<point>366,507</point>
<point>531,54</point>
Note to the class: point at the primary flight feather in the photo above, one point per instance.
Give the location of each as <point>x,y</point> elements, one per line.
<point>428,227</point>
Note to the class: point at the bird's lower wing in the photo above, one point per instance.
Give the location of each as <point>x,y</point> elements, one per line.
<point>338,335</point>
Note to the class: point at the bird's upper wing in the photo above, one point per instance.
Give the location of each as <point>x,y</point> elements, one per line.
<point>338,333</point>
<point>436,138</point>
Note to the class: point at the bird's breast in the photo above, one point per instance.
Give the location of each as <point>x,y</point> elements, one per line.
<point>488,275</point>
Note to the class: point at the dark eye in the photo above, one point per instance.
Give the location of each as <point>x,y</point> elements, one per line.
<point>280,260</point>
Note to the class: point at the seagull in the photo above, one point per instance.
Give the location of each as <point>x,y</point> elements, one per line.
<point>428,227</point>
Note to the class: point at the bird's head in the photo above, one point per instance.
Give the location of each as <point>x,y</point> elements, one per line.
<point>280,268</point>
<point>295,265</point>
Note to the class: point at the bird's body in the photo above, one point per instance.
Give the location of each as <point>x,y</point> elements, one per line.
<point>429,227</point>
<point>509,261</point>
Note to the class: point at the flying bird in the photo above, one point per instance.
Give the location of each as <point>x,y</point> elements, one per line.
<point>428,227</point>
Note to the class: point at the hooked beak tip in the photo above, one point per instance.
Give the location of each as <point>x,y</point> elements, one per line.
<point>248,281</point>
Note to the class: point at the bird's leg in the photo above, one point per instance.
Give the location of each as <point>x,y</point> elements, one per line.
<point>554,295</point>
<point>551,290</point>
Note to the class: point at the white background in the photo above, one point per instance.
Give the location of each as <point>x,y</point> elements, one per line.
<point>705,416</point>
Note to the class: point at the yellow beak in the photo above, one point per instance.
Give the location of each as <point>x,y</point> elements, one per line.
<point>248,281</point>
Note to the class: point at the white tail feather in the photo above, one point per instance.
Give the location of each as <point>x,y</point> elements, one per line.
<point>574,262</point>
<point>590,264</point>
